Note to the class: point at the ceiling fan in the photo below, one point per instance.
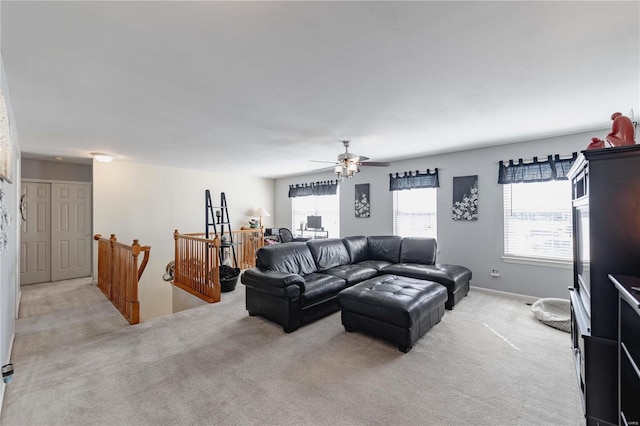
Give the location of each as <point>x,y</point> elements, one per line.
<point>348,163</point>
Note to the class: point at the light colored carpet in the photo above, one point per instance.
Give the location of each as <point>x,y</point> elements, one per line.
<point>77,361</point>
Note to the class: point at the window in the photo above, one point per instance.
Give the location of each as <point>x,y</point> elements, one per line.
<point>326,206</point>
<point>415,212</point>
<point>537,220</point>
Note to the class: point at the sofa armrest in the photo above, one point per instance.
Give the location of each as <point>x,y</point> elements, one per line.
<point>273,282</point>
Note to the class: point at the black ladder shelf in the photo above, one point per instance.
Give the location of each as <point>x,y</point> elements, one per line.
<point>219,217</point>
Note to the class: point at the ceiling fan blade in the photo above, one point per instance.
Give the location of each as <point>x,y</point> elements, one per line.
<point>359,159</point>
<point>318,161</point>
<point>376,163</point>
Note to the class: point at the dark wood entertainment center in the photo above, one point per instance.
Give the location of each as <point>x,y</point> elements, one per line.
<point>629,348</point>
<point>606,233</point>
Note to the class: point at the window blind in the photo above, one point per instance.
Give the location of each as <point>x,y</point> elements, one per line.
<point>415,213</point>
<point>537,220</point>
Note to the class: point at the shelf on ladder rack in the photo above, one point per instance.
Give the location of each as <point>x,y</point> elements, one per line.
<point>219,217</point>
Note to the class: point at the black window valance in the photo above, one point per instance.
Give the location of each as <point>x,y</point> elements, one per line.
<point>411,180</point>
<point>313,188</point>
<point>553,168</point>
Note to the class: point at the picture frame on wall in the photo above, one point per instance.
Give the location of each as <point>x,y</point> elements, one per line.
<point>6,151</point>
<point>465,198</point>
<point>362,201</point>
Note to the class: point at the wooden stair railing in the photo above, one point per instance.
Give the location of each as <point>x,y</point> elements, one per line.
<point>197,260</point>
<point>197,265</point>
<point>119,274</point>
<point>250,241</point>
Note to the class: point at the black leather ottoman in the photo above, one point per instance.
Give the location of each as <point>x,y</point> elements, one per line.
<point>394,308</point>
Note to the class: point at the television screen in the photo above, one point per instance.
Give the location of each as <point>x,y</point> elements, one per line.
<point>314,222</point>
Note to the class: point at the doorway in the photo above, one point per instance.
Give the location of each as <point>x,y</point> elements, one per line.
<point>55,238</point>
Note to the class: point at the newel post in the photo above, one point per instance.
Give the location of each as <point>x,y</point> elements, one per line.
<point>135,250</point>
<point>111,263</point>
<point>176,267</point>
<point>132,284</point>
<point>217,242</point>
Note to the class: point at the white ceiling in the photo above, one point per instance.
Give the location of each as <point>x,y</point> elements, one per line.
<point>260,88</point>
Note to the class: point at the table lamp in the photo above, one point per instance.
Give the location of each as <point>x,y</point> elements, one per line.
<point>261,212</point>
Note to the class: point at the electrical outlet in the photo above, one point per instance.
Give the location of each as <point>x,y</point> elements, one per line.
<point>495,273</point>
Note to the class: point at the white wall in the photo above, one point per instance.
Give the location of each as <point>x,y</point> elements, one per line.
<point>478,244</point>
<point>9,276</point>
<point>54,170</point>
<point>148,202</point>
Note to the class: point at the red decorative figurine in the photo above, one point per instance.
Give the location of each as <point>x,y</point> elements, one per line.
<point>622,133</point>
<point>596,143</point>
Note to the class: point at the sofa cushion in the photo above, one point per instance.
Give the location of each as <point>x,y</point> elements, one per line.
<point>352,274</point>
<point>454,273</point>
<point>328,253</point>
<point>320,286</point>
<point>418,250</point>
<point>378,265</point>
<point>357,247</point>
<point>451,276</point>
<point>294,258</point>
<point>416,270</point>
<point>384,247</point>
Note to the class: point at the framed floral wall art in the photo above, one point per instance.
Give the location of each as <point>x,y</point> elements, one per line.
<point>465,198</point>
<point>362,202</point>
<point>5,141</point>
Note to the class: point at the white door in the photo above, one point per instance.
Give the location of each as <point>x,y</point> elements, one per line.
<point>35,234</point>
<point>70,230</point>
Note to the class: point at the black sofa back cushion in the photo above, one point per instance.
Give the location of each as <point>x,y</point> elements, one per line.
<point>384,247</point>
<point>357,247</point>
<point>328,253</point>
<point>293,258</point>
<point>418,250</point>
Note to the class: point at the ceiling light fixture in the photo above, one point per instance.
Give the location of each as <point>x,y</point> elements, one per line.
<point>102,157</point>
<point>348,163</point>
<point>346,169</point>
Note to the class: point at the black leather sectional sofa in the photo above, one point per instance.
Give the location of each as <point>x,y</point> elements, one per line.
<point>298,282</point>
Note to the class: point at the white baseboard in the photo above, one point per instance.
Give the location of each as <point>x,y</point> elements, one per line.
<point>524,298</point>
<point>19,303</point>
<point>13,337</point>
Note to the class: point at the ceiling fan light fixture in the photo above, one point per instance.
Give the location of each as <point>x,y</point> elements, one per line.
<point>349,163</point>
<point>346,169</point>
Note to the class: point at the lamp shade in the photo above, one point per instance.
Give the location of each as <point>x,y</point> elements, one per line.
<point>261,212</point>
